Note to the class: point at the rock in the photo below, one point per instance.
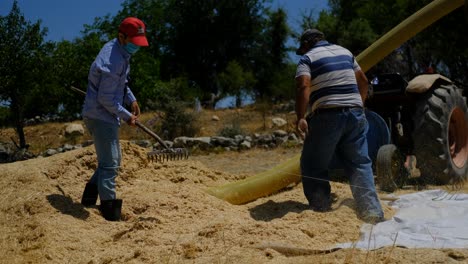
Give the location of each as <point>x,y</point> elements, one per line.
<point>50,152</point>
<point>265,139</point>
<point>223,141</point>
<point>202,142</point>
<point>143,143</point>
<point>238,139</point>
<point>281,140</point>
<point>4,153</point>
<point>293,137</point>
<point>73,130</point>
<point>215,118</point>
<point>280,133</point>
<point>168,143</point>
<point>68,147</point>
<point>181,142</point>
<point>245,145</point>
<point>278,122</point>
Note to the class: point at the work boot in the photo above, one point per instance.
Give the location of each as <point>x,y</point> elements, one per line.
<point>90,195</point>
<point>320,201</point>
<point>111,209</point>
<point>372,217</point>
<point>322,205</point>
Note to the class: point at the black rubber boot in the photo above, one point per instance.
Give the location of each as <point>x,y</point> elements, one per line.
<point>90,195</point>
<point>111,209</point>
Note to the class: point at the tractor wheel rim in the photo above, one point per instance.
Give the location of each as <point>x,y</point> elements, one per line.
<point>458,137</point>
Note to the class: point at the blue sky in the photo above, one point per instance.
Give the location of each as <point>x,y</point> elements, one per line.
<point>65,18</point>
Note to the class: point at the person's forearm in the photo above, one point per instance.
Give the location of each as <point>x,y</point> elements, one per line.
<point>362,85</point>
<point>363,90</point>
<point>302,101</point>
<point>302,95</point>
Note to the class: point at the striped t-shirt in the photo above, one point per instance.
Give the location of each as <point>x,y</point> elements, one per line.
<point>332,71</point>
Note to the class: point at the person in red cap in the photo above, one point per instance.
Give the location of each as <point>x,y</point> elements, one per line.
<point>104,106</point>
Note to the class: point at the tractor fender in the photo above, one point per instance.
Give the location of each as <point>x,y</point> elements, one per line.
<point>424,82</point>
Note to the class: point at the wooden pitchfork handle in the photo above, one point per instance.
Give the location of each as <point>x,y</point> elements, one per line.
<point>154,135</point>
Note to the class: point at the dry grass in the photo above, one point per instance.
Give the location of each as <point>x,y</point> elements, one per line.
<point>251,119</point>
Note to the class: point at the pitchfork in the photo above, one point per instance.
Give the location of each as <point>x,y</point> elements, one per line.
<point>164,154</point>
<point>161,155</point>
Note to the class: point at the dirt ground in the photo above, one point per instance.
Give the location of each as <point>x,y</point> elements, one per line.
<point>169,218</point>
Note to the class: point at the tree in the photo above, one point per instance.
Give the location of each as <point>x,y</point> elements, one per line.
<point>269,58</point>
<point>23,68</point>
<point>357,24</point>
<point>234,80</point>
<point>202,37</point>
<point>195,41</point>
<point>71,62</point>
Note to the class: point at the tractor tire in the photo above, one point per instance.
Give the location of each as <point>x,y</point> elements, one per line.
<point>390,170</point>
<point>440,135</point>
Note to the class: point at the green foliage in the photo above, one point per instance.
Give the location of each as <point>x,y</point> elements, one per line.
<point>357,24</point>
<point>4,116</point>
<point>170,99</point>
<point>71,62</point>
<point>269,57</point>
<point>282,84</point>
<point>194,48</point>
<point>201,37</point>
<point>178,120</point>
<point>234,80</point>
<point>232,129</point>
<point>179,89</point>
<point>357,36</point>
<point>144,75</point>
<point>207,49</point>
<point>24,68</point>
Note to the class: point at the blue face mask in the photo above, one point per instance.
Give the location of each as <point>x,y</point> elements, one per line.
<point>131,48</point>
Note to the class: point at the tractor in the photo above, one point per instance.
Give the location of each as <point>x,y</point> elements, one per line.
<point>424,119</point>
<point>426,123</point>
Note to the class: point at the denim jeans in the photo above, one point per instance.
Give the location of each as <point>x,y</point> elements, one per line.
<point>340,132</point>
<point>106,142</point>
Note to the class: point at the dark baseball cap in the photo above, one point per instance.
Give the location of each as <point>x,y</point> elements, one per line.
<point>135,30</point>
<point>306,36</point>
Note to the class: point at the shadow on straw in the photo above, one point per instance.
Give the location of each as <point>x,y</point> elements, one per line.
<point>272,210</point>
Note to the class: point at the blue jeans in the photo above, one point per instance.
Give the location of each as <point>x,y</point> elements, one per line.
<point>340,132</point>
<point>106,141</point>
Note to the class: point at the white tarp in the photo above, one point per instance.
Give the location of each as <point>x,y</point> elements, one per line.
<point>429,219</point>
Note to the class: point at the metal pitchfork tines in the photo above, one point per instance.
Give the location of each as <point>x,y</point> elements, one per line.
<point>165,154</point>
<point>168,154</point>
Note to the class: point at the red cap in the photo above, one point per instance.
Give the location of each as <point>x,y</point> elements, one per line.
<point>135,30</point>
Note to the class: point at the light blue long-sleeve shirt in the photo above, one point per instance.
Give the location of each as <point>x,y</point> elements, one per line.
<point>107,85</point>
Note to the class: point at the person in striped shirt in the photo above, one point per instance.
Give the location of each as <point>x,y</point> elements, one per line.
<point>331,88</point>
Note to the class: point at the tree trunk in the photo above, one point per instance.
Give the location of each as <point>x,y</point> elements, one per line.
<point>17,113</point>
<point>238,101</point>
<point>20,131</point>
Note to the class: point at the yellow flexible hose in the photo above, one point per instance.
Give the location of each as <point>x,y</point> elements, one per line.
<point>288,172</point>
<point>261,184</point>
